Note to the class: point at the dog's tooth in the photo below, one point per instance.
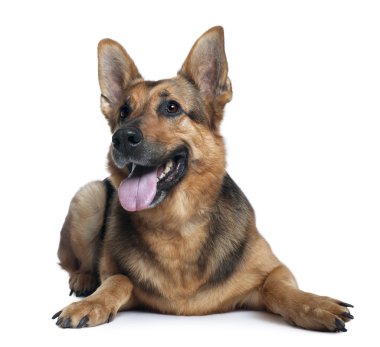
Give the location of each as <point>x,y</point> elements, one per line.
<point>168,166</point>
<point>133,169</point>
<point>161,176</point>
<point>166,169</point>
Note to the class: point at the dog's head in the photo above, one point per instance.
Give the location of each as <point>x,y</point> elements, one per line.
<point>165,134</point>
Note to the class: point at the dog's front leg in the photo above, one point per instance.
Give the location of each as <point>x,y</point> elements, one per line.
<point>114,293</point>
<point>280,295</point>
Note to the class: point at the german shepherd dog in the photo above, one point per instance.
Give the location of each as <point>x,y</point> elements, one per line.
<point>169,230</point>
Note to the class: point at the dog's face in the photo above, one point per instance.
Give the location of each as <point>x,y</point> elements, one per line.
<point>165,133</point>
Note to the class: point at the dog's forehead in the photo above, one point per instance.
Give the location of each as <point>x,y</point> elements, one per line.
<point>167,88</point>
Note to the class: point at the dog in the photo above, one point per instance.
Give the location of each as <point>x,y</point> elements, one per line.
<point>169,230</point>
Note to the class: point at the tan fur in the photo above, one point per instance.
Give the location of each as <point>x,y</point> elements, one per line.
<point>78,246</point>
<point>198,251</point>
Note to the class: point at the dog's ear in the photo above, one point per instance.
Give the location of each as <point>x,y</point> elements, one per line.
<point>206,67</point>
<point>116,70</point>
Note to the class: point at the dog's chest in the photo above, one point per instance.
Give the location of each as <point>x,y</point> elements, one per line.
<point>171,266</point>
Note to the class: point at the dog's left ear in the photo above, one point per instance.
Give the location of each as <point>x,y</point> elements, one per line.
<point>206,66</point>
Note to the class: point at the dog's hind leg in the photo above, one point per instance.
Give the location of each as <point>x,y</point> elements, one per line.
<point>81,234</point>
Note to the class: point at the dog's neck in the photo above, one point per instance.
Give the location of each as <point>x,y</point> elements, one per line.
<point>185,207</point>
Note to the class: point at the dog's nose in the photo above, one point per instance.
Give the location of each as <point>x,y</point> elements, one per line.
<point>134,136</point>
<point>126,138</point>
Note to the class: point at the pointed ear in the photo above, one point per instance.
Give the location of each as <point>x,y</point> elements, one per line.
<point>206,66</point>
<point>116,70</point>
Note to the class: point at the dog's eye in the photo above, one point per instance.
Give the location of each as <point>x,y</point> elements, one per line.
<point>125,111</point>
<point>170,108</point>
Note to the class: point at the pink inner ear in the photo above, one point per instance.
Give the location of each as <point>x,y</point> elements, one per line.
<point>113,88</point>
<point>206,63</point>
<point>114,74</point>
<point>209,76</point>
<point>116,69</point>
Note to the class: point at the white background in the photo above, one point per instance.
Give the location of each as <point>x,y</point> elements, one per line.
<point>302,134</point>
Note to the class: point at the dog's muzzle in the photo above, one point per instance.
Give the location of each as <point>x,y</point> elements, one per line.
<point>152,168</point>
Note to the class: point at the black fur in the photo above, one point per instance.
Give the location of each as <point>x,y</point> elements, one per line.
<point>228,264</point>
<point>196,116</point>
<point>109,194</point>
<point>228,234</point>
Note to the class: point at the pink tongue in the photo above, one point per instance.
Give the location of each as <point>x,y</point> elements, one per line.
<point>136,193</point>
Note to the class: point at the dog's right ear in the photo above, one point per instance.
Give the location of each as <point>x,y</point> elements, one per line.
<point>116,70</point>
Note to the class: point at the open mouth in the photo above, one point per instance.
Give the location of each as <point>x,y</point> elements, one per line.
<point>147,186</point>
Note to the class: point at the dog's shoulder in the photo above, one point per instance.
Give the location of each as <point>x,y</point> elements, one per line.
<point>232,196</point>
<point>230,231</point>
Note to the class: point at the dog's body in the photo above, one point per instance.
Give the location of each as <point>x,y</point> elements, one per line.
<point>178,236</point>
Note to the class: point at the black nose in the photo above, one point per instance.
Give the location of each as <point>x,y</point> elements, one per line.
<point>126,138</point>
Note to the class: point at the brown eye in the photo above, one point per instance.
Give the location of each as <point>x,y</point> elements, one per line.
<point>172,107</point>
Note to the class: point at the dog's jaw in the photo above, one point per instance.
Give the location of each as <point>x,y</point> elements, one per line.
<point>146,186</point>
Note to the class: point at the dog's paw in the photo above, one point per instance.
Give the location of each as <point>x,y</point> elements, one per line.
<point>320,313</point>
<point>85,313</point>
<point>83,283</point>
